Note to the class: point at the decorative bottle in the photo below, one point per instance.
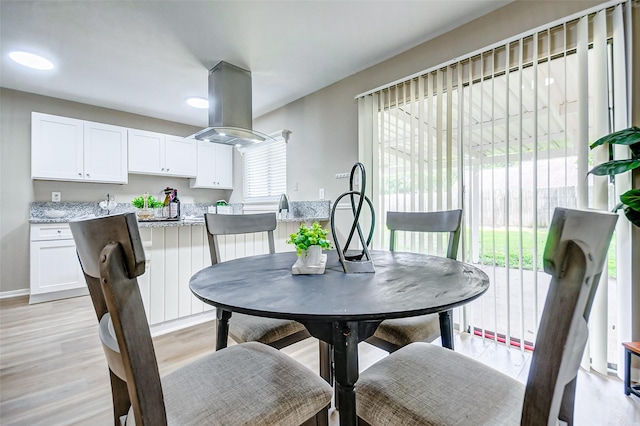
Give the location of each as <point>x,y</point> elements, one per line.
<point>167,200</point>
<point>174,205</point>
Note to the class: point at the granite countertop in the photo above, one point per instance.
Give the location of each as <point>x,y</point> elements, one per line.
<point>193,214</point>
<point>307,211</point>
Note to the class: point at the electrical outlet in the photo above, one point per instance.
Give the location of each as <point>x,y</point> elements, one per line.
<point>321,194</point>
<point>295,185</point>
<point>55,197</point>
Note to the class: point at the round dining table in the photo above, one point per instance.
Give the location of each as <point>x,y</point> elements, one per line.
<point>338,308</point>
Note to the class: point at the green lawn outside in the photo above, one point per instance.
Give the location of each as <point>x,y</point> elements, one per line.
<point>487,237</point>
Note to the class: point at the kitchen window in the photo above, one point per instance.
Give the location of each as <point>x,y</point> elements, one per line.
<point>265,170</point>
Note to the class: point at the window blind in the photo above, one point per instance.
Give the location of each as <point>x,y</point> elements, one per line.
<point>265,171</point>
<point>504,133</point>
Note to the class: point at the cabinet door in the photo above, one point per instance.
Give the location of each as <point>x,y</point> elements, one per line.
<point>146,152</point>
<point>55,267</point>
<point>180,156</point>
<point>56,147</point>
<point>224,166</point>
<point>206,170</point>
<point>105,153</point>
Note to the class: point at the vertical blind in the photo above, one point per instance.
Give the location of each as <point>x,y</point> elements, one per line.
<point>504,134</point>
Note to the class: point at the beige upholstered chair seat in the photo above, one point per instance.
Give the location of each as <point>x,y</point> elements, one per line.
<point>280,393</point>
<point>248,328</point>
<point>403,331</point>
<point>401,390</point>
<point>205,390</point>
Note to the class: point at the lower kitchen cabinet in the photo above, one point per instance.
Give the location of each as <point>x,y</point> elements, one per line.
<point>55,269</point>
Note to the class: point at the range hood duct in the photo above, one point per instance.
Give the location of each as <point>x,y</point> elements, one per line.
<point>230,113</point>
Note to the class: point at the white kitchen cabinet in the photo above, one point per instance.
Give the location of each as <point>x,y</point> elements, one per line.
<point>54,266</point>
<point>75,150</point>
<point>215,166</point>
<point>158,154</point>
<point>105,153</point>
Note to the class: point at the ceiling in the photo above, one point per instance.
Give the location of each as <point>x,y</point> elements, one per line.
<point>148,57</point>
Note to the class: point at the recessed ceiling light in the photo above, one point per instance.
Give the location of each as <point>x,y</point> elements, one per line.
<point>198,103</point>
<point>31,60</point>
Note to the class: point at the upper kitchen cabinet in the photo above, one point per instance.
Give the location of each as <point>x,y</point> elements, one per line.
<point>158,154</point>
<point>75,150</point>
<point>215,166</point>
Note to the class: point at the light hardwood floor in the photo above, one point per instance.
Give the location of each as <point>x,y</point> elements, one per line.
<point>53,372</point>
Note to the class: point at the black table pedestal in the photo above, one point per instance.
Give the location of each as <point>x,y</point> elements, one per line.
<point>344,337</point>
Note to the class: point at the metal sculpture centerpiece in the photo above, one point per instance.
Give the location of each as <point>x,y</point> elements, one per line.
<point>356,261</point>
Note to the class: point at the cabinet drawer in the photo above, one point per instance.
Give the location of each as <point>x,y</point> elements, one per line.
<point>59,231</point>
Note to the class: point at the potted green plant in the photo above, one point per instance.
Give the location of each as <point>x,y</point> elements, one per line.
<point>630,200</point>
<point>309,242</point>
<point>152,203</point>
<point>145,205</point>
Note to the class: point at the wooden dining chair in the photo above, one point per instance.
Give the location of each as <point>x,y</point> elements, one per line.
<point>246,384</point>
<point>393,334</point>
<point>424,384</point>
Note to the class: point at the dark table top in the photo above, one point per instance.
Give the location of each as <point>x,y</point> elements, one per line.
<point>404,284</point>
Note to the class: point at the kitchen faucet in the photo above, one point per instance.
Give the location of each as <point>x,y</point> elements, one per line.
<point>283,205</point>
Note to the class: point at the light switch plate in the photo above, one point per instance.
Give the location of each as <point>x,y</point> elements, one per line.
<point>321,193</point>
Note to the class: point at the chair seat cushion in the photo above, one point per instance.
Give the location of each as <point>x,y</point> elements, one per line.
<point>248,328</point>
<point>425,384</point>
<point>247,384</point>
<point>403,331</point>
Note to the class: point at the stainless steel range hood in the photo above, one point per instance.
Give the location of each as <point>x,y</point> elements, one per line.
<point>230,114</point>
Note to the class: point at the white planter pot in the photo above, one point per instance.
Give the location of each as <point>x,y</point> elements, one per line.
<point>312,256</point>
<point>312,261</point>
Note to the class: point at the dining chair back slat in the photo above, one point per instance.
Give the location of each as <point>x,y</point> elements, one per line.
<point>439,221</point>
<point>223,224</point>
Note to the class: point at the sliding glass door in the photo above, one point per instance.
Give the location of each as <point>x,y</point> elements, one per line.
<point>504,134</point>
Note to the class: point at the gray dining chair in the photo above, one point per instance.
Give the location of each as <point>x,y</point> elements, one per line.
<point>247,328</point>
<point>424,384</point>
<point>393,334</point>
<point>277,333</point>
<point>249,383</point>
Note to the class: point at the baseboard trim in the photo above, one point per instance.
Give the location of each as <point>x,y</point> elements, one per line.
<point>55,295</point>
<point>14,293</point>
<point>180,323</point>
